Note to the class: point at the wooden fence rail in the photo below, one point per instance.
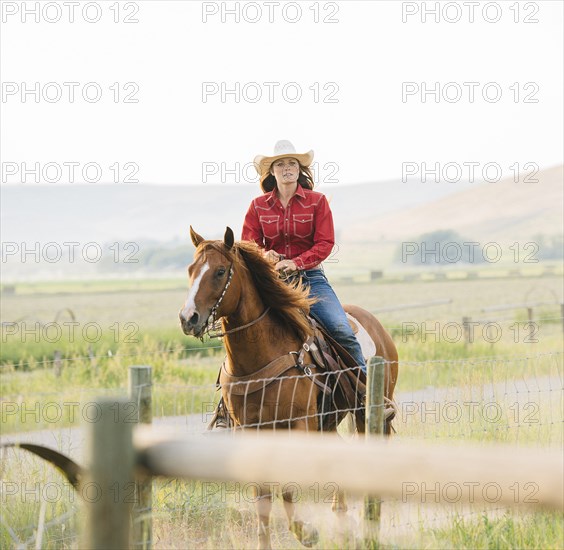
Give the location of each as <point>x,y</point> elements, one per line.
<point>389,468</point>
<point>408,471</point>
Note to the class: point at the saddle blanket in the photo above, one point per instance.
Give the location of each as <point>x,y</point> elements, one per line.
<point>367,345</point>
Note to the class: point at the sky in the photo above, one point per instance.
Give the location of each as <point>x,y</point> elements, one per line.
<point>342,78</point>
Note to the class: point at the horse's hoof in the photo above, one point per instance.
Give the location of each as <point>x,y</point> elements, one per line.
<point>305,532</point>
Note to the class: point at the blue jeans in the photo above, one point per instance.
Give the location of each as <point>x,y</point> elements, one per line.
<point>330,312</point>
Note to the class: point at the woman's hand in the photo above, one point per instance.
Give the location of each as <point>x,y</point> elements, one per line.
<point>286,265</point>
<point>271,256</point>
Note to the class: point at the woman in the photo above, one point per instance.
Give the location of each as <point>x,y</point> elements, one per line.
<point>294,226</point>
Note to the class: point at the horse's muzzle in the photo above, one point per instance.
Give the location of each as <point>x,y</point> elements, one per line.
<point>191,326</point>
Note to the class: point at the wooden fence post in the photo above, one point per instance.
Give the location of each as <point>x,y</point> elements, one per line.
<point>466,329</point>
<point>374,427</point>
<point>93,362</point>
<point>531,324</point>
<point>140,393</point>
<point>109,487</point>
<point>57,363</point>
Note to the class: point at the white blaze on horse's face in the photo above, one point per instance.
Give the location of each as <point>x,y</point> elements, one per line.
<point>190,305</point>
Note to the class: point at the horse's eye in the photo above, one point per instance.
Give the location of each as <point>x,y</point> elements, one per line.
<point>221,272</point>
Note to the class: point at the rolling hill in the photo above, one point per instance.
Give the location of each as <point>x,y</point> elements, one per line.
<point>157,218</point>
<point>504,211</point>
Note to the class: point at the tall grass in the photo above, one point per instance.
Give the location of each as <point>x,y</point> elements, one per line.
<point>538,530</point>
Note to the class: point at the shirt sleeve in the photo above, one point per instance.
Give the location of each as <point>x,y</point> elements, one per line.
<point>252,230</point>
<point>323,238</point>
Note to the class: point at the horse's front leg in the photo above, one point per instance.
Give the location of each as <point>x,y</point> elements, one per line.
<point>304,531</point>
<point>346,527</point>
<point>339,503</point>
<point>264,497</point>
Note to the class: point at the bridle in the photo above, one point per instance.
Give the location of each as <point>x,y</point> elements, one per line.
<point>212,320</point>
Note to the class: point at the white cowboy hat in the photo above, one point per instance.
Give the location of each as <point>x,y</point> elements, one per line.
<point>282,149</point>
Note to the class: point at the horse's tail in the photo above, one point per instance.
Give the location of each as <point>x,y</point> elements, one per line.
<point>391,409</point>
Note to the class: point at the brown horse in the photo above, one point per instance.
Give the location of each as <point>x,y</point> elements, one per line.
<point>263,323</point>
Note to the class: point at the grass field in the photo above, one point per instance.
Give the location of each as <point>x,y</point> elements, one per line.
<point>519,375</point>
<point>105,316</point>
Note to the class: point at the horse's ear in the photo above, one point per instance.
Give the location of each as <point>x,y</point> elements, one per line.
<point>196,239</point>
<point>229,238</point>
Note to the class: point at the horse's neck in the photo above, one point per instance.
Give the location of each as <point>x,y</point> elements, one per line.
<point>250,349</point>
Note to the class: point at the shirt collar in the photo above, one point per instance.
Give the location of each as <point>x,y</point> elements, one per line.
<point>300,191</point>
<point>272,197</point>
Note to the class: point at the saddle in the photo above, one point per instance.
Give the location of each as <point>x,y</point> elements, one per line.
<point>341,381</point>
<point>343,376</point>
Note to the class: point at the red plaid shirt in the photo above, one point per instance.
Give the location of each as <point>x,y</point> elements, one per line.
<point>302,232</point>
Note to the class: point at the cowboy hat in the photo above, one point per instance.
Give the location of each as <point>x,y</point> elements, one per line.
<point>282,149</point>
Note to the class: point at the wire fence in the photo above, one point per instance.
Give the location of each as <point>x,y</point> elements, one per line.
<point>403,333</point>
<point>430,323</point>
<point>517,399</point>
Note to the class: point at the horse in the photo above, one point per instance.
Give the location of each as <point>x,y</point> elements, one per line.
<point>263,322</point>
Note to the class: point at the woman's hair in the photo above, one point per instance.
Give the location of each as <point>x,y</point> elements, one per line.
<point>305,179</point>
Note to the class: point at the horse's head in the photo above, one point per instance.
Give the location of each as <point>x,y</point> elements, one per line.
<point>214,290</point>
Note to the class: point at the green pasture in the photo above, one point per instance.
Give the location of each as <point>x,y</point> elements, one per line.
<point>94,318</point>
<point>140,326</point>
<point>435,367</point>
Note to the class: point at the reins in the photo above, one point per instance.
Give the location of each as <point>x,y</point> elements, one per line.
<point>221,334</point>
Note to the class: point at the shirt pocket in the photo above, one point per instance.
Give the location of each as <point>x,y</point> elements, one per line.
<point>303,225</point>
<point>270,226</point>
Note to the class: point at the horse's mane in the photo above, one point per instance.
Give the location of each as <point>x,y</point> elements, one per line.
<point>290,303</point>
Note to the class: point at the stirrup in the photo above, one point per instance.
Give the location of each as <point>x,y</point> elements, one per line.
<point>220,417</point>
<point>390,407</point>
